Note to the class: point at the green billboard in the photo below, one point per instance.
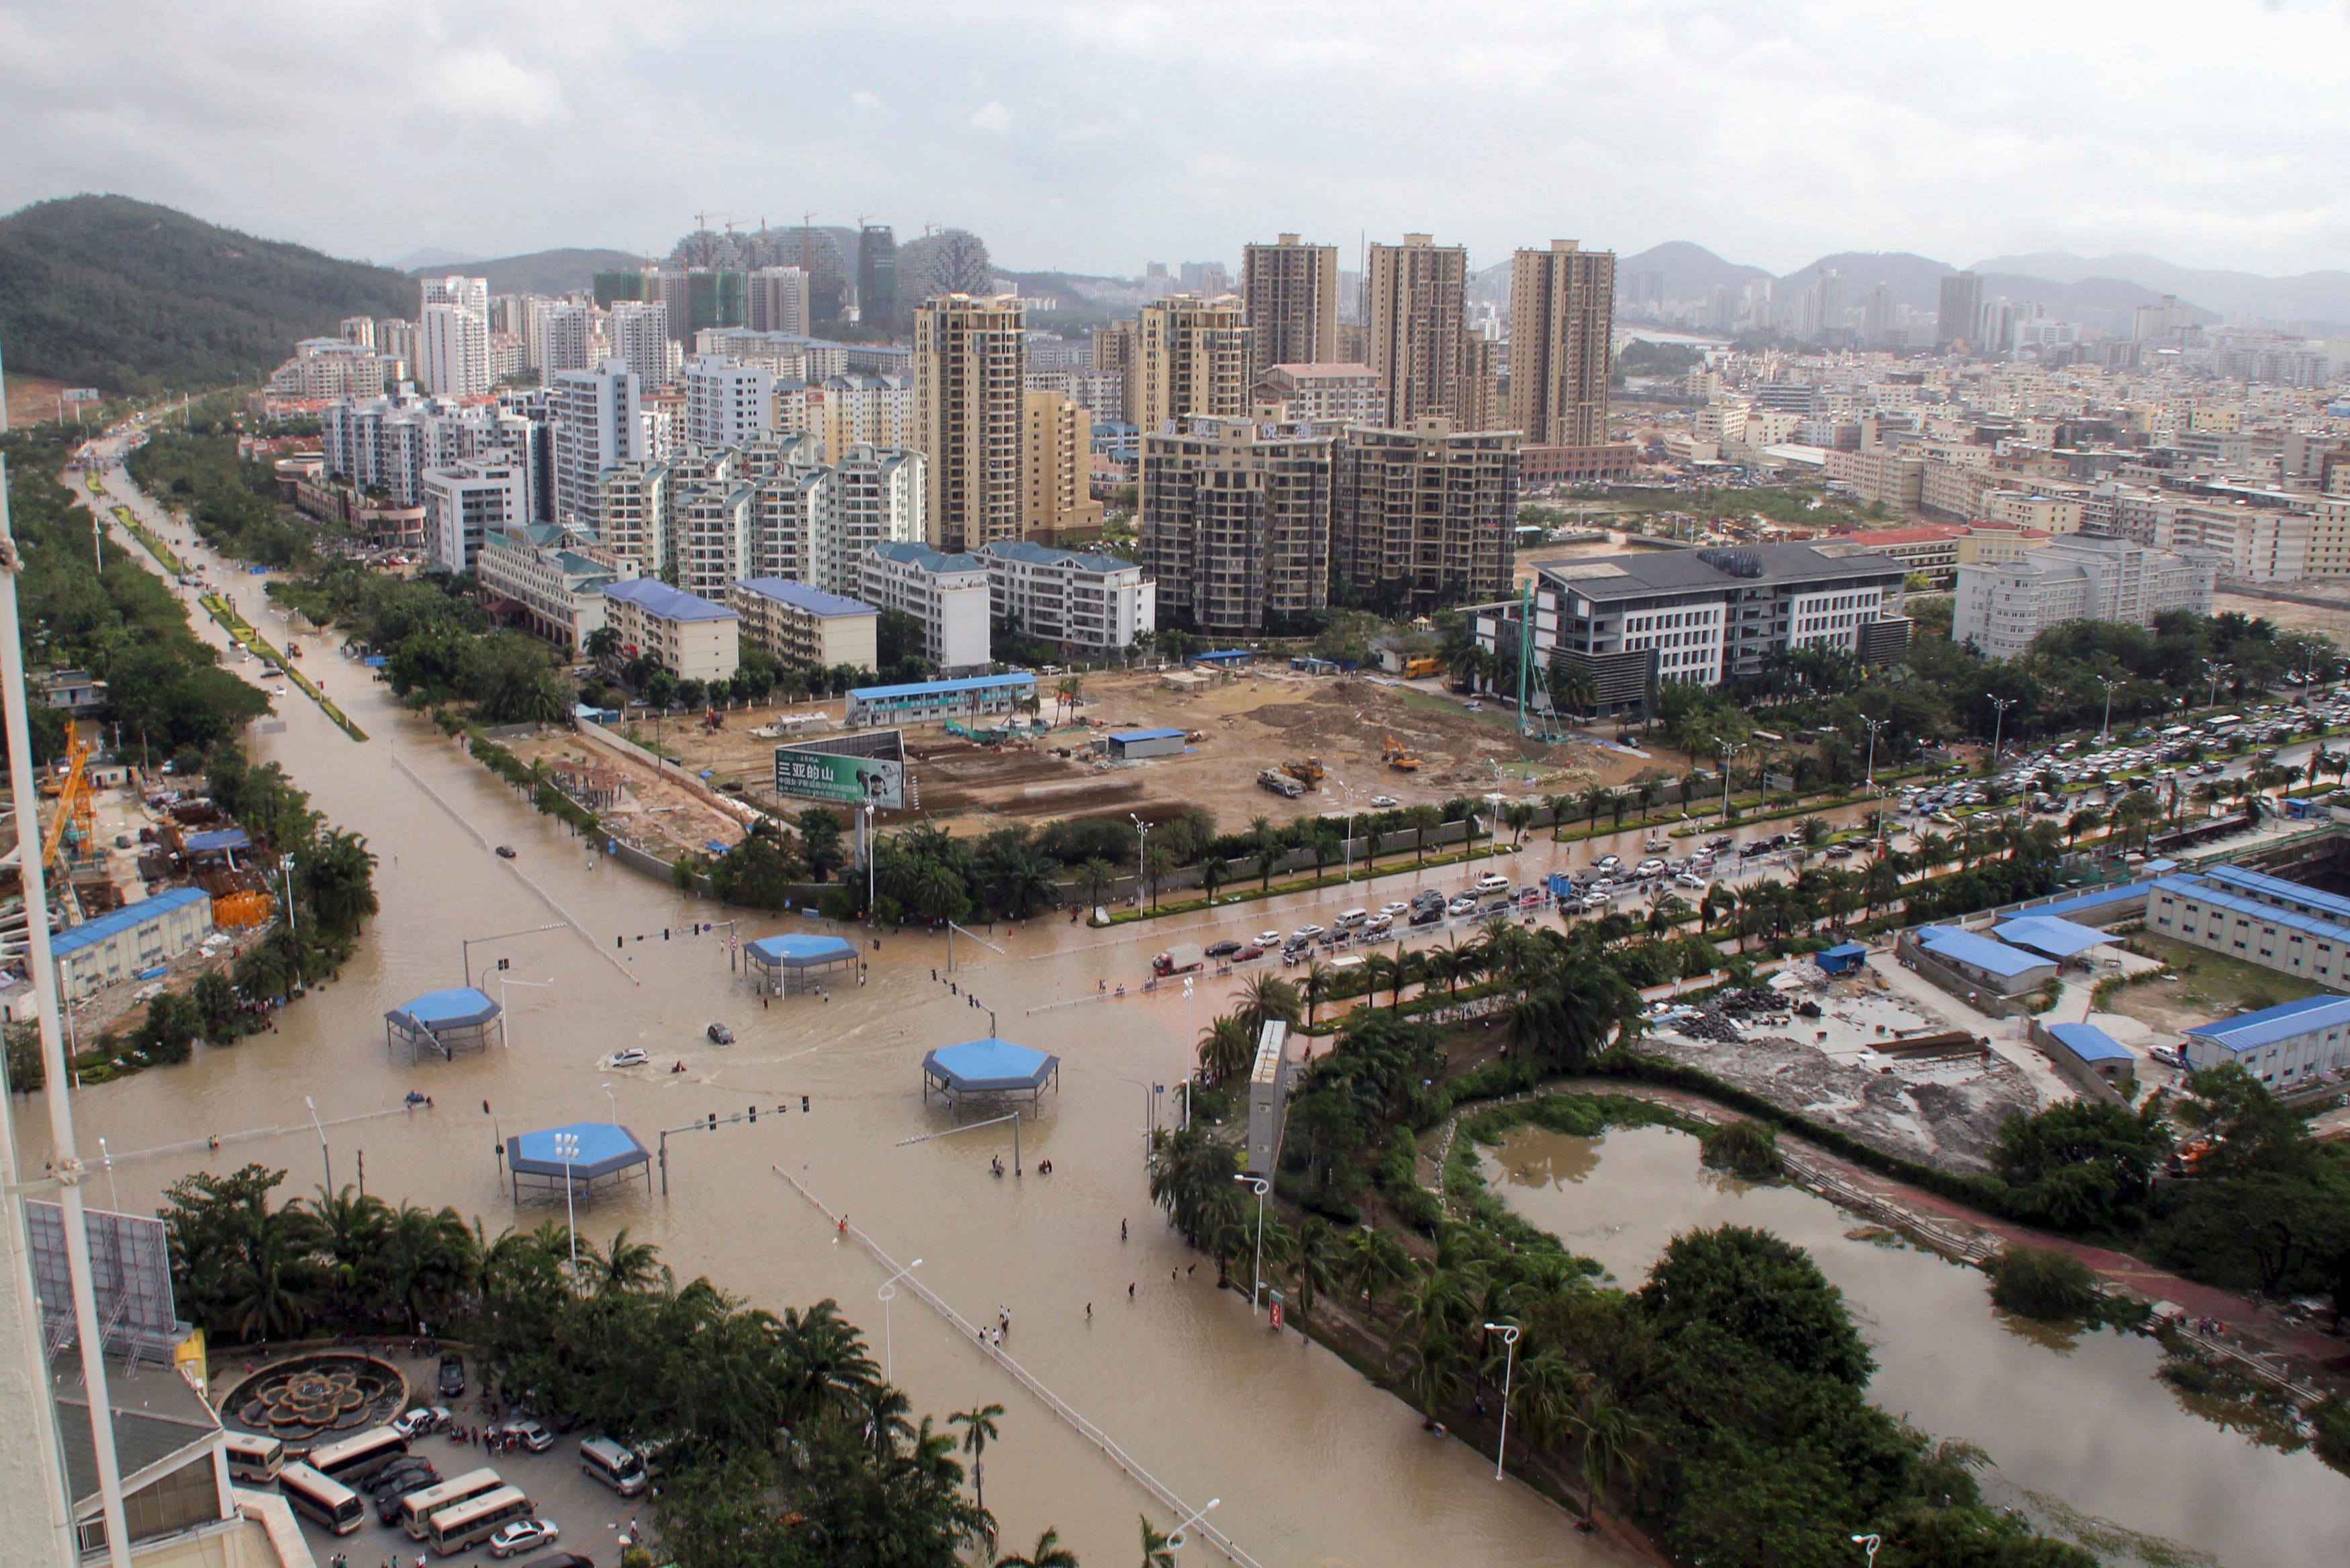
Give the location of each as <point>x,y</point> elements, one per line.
<point>841,780</point>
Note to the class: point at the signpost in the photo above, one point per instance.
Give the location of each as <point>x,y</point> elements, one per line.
<point>841,780</point>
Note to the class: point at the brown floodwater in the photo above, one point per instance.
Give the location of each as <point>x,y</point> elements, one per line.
<point>1312,1463</point>
<point>2080,1418</point>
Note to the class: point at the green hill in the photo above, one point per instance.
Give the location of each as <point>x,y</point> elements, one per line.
<point>554,273</point>
<point>125,296</point>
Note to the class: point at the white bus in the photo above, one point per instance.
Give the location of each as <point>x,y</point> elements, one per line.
<point>453,1530</point>
<point>616,1466</point>
<point>253,1458</point>
<point>330,1502</point>
<point>417,1509</point>
<point>355,1458</point>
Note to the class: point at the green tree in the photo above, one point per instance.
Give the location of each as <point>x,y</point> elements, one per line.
<point>978,1430</point>
<point>820,846</point>
<point>1768,1294</point>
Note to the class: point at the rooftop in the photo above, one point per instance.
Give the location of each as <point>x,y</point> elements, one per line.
<point>2089,1042</point>
<point>1689,571</point>
<point>806,597</point>
<point>657,598</point>
<point>2286,1020</point>
<point>456,1007</point>
<point>928,559</point>
<point>989,1065</point>
<point>129,918</point>
<point>1983,953</point>
<point>1127,737</point>
<point>1046,556</point>
<point>941,687</point>
<point>604,1148</point>
<point>2259,885</point>
<point>2047,934</point>
<point>2290,919</point>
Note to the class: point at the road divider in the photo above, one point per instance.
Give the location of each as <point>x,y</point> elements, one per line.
<point>252,642</point>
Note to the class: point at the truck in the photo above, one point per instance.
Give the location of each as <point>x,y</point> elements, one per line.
<point>1180,958</point>
<point>1280,784</point>
<point>1421,669</point>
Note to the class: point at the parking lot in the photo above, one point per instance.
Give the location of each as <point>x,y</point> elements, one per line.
<point>591,1515</point>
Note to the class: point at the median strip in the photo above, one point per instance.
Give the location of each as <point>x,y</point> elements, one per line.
<point>255,643</point>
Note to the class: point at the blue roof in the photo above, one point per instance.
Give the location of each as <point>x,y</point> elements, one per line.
<point>980,1066</point>
<point>2271,1024</point>
<point>805,595</point>
<point>1224,656</point>
<point>1846,950</point>
<point>793,952</point>
<point>1046,556</point>
<point>940,688</point>
<point>1967,947</point>
<point>2192,888</point>
<point>129,918</point>
<point>604,1148</point>
<point>457,1008</point>
<point>657,598</point>
<point>929,560</point>
<point>2307,900</point>
<point>2089,1042</point>
<point>1127,737</point>
<point>221,838</point>
<point>2081,904</point>
<point>2047,934</point>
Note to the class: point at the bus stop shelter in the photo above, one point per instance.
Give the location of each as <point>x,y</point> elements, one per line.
<point>988,1069</point>
<point>460,1019</point>
<point>604,1154</point>
<point>785,964</point>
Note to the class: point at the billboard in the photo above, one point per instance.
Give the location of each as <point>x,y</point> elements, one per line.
<point>841,780</point>
<point>130,1275</point>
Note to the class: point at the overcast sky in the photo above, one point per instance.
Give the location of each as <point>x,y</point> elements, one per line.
<point>1100,135</point>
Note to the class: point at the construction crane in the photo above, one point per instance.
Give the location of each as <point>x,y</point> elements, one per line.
<point>75,808</point>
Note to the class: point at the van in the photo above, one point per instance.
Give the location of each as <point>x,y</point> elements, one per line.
<point>617,1467</point>
<point>1349,918</point>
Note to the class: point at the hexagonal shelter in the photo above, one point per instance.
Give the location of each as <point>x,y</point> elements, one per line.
<point>604,1154</point>
<point>988,1069</point>
<point>785,964</point>
<point>458,1019</point>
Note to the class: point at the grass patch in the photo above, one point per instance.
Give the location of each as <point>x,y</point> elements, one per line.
<point>252,642</point>
<point>147,536</point>
<point>2225,983</point>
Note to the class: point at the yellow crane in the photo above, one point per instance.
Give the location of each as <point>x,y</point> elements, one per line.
<point>75,807</point>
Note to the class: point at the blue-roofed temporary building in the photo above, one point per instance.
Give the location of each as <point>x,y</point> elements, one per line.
<point>1841,959</point>
<point>2059,938</point>
<point>580,1157</point>
<point>122,942</point>
<point>458,1019</point>
<point>988,1069</point>
<point>2091,1050</point>
<point>1132,745</point>
<point>1981,962</point>
<point>2286,1046</point>
<point>917,701</point>
<point>224,841</point>
<point>785,964</point>
<point>2104,906</point>
<point>1223,658</point>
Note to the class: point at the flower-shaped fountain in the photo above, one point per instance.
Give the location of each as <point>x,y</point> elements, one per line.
<point>317,1395</point>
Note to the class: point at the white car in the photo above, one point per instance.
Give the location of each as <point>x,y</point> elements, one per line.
<point>417,1422</point>
<point>1385,802</point>
<point>1267,939</point>
<point>1393,908</point>
<point>1608,863</point>
<point>1492,882</point>
<point>1690,879</point>
<point>1648,868</point>
<point>523,1535</point>
<point>1306,932</point>
<point>1466,904</point>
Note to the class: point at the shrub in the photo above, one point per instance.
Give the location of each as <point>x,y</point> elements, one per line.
<point>2331,1417</point>
<point>2039,1282</point>
<point>1743,1147</point>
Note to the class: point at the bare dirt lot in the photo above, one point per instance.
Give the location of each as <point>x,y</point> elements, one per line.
<point>2333,621</point>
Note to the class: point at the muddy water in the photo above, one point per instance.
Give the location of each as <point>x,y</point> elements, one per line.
<point>2081,1417</point>
<point>1312,1464</point>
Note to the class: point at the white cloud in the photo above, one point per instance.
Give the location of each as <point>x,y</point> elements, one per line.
<point>864,101</point>
<point>484,83</point>
<point>992,116</point>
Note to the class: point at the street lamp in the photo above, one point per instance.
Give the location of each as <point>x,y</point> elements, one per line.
<point>1509,1332</point>
<point>1869,1543</point>
<point>1260,1185</point>
<point>1728,750</point>
<point>1141,836</point>
<point>325,1156</point>
<point>885,1295</point>
<point>2105,729</point>
<point>286,865</point>
<point>566,1149</point>
<point>1190,1036</point>
<point>1874,725</point>
<point>505,1013</point>
<point>2215,672</point>
<point>1175,1536</point>
<point>2000,705</point>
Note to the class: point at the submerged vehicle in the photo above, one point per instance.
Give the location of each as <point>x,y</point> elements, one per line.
<point>720,1034</point>
<point>634,1056</point>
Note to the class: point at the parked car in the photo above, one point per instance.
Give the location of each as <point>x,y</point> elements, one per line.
<point>523,1535</point>
<point>1466,904</point>
<point>417,1422</point>
<point>532,1434</point>
<point>452,1383</point>
<point>1385,802</point>
<point>1225,948</point>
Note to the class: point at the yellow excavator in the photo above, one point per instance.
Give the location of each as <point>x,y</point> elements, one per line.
<point>1306,771</point>
<point>1398,758</point>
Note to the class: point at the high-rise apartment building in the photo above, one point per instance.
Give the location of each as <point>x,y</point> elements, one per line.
<point>1236,523</point>
<point>640,335</point>
<point>1190,357</point>
<point>467,293</point>
<point>877,276</point>
<point>1113,355</point>
<point>467,502</point>
<point>727,404</point>
<point>1561,311</point>
<point>453,351</point>
<point>1958,310</point>
<point>970,378</point>
<point>778,300</point>
<point>1413,295</point>
<point>598,424</point>
<point>1291,292</point>
<point>1321,395</point>
<point>562,335</point>
<point>1425,518</point>
<point>1056,468</point>
<point>861,410</point>
<point>1484,362</point>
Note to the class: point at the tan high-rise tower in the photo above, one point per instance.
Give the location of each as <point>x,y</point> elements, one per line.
<point>1412,299</point>
<point>1190,357</point>
<point>1057,469</point>
<point>1562,309</point>
<point>1291,291</point>
<point>971,362</point>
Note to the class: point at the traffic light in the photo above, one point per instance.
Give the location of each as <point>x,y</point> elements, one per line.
<point>755,1113</point>
<point>803,1105</point>
<point>713,1121</point>
<point>504,963</point>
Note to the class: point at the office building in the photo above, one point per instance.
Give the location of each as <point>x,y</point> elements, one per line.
<point>1290,292</point>
<point>639,337</point>
<point>947,594</point>
<point>970,377</point>
<point>1093,604</point>
<point>1426,518</point>
<point>1959,318</point>
<point>1625,624</point>
<point>804,626</point>
<point>466,501</point>
<point>877,277</point>
<point>1413,295</point>
<point>692,638</point>
<point>453,351</point>
<point>1190,357</point>
<point>550,581</point>
<point>727,404</point>
<point>1056,459</point>
<point>1236,524</point>
<point>1561,311</point>
<point>2001,606</point>
<point>596,424</point>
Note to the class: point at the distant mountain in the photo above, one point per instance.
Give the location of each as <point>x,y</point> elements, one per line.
<point>2313,296</point>
<point>1917,280</point>
<point>1691,271</point>
<point>429,256</point>
<point>129,296</point>
<point>540,272</point>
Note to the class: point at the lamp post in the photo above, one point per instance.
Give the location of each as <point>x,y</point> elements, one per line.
<point>1141,838</point>
<point>325,1156</point>
<point>566,1149</point>
<point>1874,725</point>
<point>286,865</point>
<point>505,1013</point>
<point>1728,750</point>
<point>1509,1332</point>
<point>885,1295</point>
<point>113,1192</point>
<point>1150,1113</point>
<point>1260,1185</point>
<point>1869,1543</point>
<point>2215,672</point>
<point>1175,1536</point>
<point>2105,728</point>
<point>2000,705</point>
<point>868,859</point>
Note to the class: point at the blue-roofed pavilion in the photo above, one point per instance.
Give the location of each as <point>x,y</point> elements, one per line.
<point>782,964</point>
<point>988,1069</point>
<point>582,1154</point>
<point>458,1019</point>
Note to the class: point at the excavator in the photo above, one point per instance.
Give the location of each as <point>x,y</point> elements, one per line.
<point>1399,759</point>
<point>1306,771</point>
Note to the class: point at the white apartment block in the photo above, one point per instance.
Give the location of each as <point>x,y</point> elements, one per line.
<point>691,638</point>
<point>465,502</point>
<point>324,368</point>
<point>861,410</point>
<point>726,403</point>
<point>384,445</point>
<point>637,334</point>
<point>465,293</point>
<point>947,595</point>
<point>804,626</point>
<point>2000,607</point>
<point>631,507</point>
<point>1092,604</point>
<point>2329,537</point>
<point>596,426</point>
<point>790,355</point>
<point>2030,509</point>
<point>2255,544</point>
<point>453,351</point>
<point>712,526</point>
<point>555,583</point>
<point>561,336</point>
<point>1334,394</point>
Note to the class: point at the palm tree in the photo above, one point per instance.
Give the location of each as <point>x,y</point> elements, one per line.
<point>1518,816</point>
<point>625,1267</point>
<point>1268,856</point>
<point>1422,818</point>
<point>1266,997</point>
<point>1377,970</point>
<point>1881,885</point>
<point>1557,806</point>
<point>1157,1552</point>
<point>1096,877</point>
<point>978,1430</point>
<point>1610,1437</point>
<point>1214,868</point>
<point>1227,1049</point>
<point>1049,1553</point>
<point>1157,863</point>
<point>1314,1255</point>
<point>339,873</point>
<point>1313,987</point>
<point>1374,1263</point>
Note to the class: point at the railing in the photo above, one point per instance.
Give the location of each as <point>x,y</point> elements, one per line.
<point>1052,1401</point>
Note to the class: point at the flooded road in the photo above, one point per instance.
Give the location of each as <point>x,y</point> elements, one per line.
<point>2081,1417</point>
<point>1312,1463</point>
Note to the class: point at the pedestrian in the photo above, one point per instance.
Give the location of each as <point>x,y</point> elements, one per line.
<point>1089,1312</point>
<point>1189,1272</point>
<point>1129,1290</point>
<point>1173,1275</point>
<point>1121,1229</point>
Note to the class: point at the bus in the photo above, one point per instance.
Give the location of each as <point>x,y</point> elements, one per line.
<point>468,1524</point>
<point>355,1458</point>
<point>618,1467</point>
<point>2222,724</point>
<point>253,1458</point>
<point>417,1509</point>
<point>328,1502</point>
